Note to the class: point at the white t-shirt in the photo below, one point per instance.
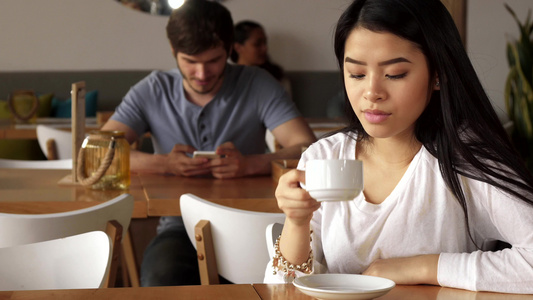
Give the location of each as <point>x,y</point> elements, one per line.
<point>421,216</point>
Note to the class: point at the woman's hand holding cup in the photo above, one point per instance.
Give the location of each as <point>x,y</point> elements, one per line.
<point>294,201</point>
<point>323,180</point>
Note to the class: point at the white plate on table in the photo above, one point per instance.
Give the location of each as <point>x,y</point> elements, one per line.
<point>343,286</point>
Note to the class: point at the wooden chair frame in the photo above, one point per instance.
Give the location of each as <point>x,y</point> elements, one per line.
<point>207,262</point>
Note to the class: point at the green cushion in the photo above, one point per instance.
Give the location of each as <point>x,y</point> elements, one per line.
<point>21,149</point>
<point>4,110</point>
<point>45,105</point>
<point>63,109</point>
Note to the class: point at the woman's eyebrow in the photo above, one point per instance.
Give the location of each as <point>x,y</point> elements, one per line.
<point>394,61</point>
<point>353,61</point>
<point>383,63</point>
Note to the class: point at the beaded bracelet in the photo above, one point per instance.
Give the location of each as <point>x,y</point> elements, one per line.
<point>281,264</point>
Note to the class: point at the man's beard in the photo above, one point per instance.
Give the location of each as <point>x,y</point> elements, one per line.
<point>202,92</point>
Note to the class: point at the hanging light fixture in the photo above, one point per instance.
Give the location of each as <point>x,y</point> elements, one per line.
<point>175,3</point>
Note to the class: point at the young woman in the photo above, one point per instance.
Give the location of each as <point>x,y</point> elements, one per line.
<point>443,184</point>
<point>250,48</point>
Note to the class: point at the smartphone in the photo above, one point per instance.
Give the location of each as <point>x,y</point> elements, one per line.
<point>206,154</point>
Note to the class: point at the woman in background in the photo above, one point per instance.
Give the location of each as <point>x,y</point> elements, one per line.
<point>443,184</point>
<point>250,48</point>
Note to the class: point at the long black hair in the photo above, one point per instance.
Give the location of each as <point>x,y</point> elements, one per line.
<point>459,126</point>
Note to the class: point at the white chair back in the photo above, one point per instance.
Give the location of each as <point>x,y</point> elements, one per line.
<point>238,237</point>
<point>18,229</point>
<point>63,164</point>
<point>62,139</point>
<point>75,262</point>
<point>270,141</point>
<point>272,233</point>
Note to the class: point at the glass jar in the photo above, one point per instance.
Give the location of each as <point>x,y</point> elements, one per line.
<point>104,161</point>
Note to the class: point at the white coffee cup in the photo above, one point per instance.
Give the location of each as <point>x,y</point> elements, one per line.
<point>334,179</point>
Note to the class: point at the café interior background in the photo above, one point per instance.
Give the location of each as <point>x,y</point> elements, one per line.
<point>81,35</point>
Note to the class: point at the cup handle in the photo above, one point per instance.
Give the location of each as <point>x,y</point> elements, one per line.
<point>302,185</point>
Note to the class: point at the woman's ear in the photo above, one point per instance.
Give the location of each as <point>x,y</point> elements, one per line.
<point>436,85</point>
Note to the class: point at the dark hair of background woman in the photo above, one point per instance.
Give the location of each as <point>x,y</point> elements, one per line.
<point>242,32</point>
<point>459,126</point>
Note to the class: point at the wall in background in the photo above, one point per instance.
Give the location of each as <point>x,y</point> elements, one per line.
<point>81,35</point>
<point>104,35</point>
<point>488,23</point>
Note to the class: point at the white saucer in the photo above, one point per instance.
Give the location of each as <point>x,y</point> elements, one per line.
<point>343,286</point>
<point>334,194</point>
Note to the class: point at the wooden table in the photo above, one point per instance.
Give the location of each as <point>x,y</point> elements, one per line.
<point>37,191</point>
<point>322,126</point>
<point>248,291</point>
<point>227,291</point>
<point>9,130</point>
<point>250,193</point>
<point>399,292</point>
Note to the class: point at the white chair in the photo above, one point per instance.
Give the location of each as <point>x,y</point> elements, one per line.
<point>75,262</point>
<point>230,242</point>
<point>272,233</point>
<point>270,141</point>
<point>111,216</point>
<point>55,143</point>
<point>63,164</point>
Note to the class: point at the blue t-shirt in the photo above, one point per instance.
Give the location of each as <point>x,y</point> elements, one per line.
<point>249,101</point>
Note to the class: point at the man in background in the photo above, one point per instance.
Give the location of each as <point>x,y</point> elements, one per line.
<point>204,104</point>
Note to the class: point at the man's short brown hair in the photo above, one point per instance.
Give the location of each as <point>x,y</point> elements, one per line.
<point>199,25</point>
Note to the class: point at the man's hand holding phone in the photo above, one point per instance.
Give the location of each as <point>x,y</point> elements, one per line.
<point>230,163</point>
<point>179,162</point>
<point>205,154</point>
